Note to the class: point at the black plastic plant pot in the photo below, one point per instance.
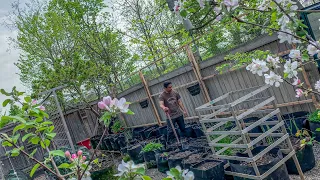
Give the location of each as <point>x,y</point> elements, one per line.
<point>194,90</point>
<point>189,132</point>
<point>197,158</point>
<point>252,120</point>
<point>198,131</point>
<point>94,141</point>
<point>135,154</point>
<point>124,150</point>
<point>306,160</point>
<point>121,141</point>
<point>162,162</point>
<point>150,132</point>
<point>150,158</point>
<point>208,169</point>
<point>314,126</point>
<point>280,174</point>
<point>114,144</point>
<point>163,130</point>
<point>295,121</point>
<point>174,161</point>
<point>107,143</point>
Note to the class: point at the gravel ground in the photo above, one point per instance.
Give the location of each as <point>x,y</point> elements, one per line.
<point>155,174</point>
<point>313,174</point>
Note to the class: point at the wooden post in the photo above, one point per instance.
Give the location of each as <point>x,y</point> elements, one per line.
<point>146,87</point>
<point>63,120</point>
<point>196,70</point>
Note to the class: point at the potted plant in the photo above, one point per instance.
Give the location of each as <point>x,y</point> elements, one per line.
<point>135,154</point>
<point>314,121</point>
<point>265,163</point>
<point>149,153</point>
<point>175,159</point>
<point>208,169</point>
<point>302,143</point>
<point>117,127</point>
<point>192,159</point>
<point>162,161</point>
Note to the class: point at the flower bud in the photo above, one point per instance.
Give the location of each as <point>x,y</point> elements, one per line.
<point>74,156</point>
<point>84,158</point>
<point>67,154</point>
<point>79,153</point>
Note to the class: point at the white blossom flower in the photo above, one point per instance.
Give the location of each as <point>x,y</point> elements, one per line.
<point>299,93</point>
<point>124,168</point>
<point>263,5</point>
<point>273,79</point>
<point>293,8</point>
<point>296,82</point>
<point>201,3</point>
<point>273,61</point>
<point>291,68</point>
<point>187,175</point>
<point>122,105</point>
<point>306,2</point>
<point>258,67</point>
<point>317,86</point>
<point>283,21</point>
<point>231,4</point>
<point>295,54</point>
<point>312,50</point>
<point>287,37</point>
<point>217,10</point>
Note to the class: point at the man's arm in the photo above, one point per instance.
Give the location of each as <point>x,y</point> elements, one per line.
<point>182,107</point>
<point>161,102</point>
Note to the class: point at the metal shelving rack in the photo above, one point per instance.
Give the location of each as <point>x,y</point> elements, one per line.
<point>240,105</point>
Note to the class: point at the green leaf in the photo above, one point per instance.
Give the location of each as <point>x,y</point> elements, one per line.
<point>6,143</point>
<point>51,135</point>
<point>57,153</point>
<point>130,112</point>
<point>305,57</point>
<point>33,152</point>
<point>318,129</point>
<point>44,114</point>
<point>184,13</point>
<point>15,138</point>
<point>34,169</point>
<point>6,102</point>
<point>285,75</point>
<point>34,140</point>
<point>96,161</point>
<point>14,118</point>
<point>42,145</point>
<point>167,178</point>
<point>141,171</point>
<point>4,92</point>
<point>274,16</point>
<point>51,128</point>
<point>146,178</point>
<point>17,128</point>
<point>25,137</point>
<point>15,152</point>
<point>47,123</point>
<point>174,172</point>
<point>64,166</point>
<point>47,142</point>
<point>27,99</point>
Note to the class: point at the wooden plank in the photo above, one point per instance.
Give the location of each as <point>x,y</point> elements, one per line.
<point>225,148</point>
<point>276,166</point>
<point>235,158</point>
<point>266,150</point>
<point>223,136</point>
<point>264,135</point>
<point>257,123</point>
<point>215,120</point>
<point>209,104</point>
<point>250,95</point>
<point>243,115</point>
<point>215,126</point>
<point>213,107</point>
<point>238,146</point>
<point>224,133</point>
<point>241,175</point>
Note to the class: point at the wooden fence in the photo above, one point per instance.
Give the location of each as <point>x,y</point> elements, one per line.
<point>216,85</point>
<point>82,123</point>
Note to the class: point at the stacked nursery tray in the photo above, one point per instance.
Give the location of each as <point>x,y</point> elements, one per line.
<point>230,136</point>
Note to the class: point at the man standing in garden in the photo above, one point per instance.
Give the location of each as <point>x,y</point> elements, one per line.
<point>171,104</point>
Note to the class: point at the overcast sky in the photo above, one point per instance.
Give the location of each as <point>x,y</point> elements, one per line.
<point>8,55</point>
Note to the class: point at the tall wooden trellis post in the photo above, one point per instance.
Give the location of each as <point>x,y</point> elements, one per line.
<point>146,87</point>
<point>196,70</point>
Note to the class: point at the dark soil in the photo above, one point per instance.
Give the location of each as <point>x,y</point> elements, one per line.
<point>266,159</point>
<point>207,165</point>
<point>194,158</point>
<point>180,155</point>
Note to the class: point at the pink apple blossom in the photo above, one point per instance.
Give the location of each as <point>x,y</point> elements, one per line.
<point>299,93</point>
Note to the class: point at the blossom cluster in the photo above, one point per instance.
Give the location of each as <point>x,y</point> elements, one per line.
<point>113,105</point>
